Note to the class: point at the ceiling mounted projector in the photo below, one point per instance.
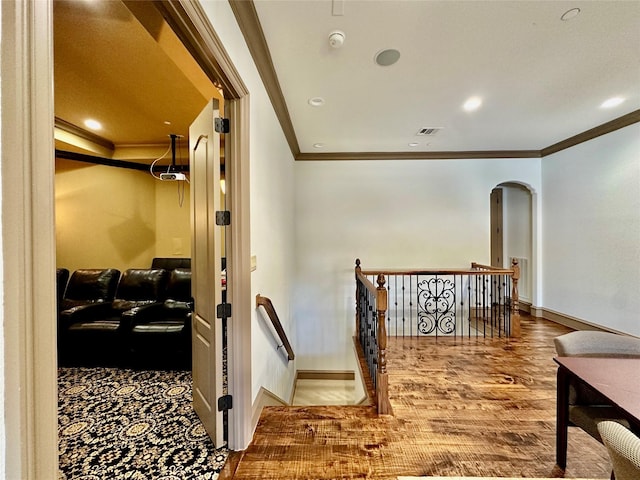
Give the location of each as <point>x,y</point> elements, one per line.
<point>173,176</point>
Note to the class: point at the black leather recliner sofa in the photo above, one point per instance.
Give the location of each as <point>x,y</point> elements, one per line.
<point>85,288</point>
<point>95,334</point>
<point>160,334</point>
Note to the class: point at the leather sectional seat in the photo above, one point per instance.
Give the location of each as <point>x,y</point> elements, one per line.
<point>159,329</point>
<point>86,287</point>
<point>101,332</point>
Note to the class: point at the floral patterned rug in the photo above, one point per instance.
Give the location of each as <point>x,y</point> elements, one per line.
<point>134,425</point>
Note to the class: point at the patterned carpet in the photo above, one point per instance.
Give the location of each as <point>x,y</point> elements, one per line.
<point>134,425</point>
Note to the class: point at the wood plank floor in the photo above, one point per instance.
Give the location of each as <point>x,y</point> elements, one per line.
<point>461,408</point>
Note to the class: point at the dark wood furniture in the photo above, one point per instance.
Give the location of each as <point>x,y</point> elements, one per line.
<point>616,379</point>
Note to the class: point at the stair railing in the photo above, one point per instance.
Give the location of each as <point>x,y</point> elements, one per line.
<point>515,296</point>
<point>265,303</point>
<point>480,301</point>
<point>371,306</point>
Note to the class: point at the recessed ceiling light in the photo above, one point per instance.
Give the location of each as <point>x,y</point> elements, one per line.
<point>413,144</point>
<point>569,14</point>
<point>93,124</point>
<point>472,104</point>
<point>316,101</point>
<point>167,122</point>
<point>612,102</point>
<point>384,58</point>
<point>318,145</point>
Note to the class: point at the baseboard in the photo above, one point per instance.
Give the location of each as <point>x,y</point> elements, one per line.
<point>525,307</point>
<point>265,398</point>
<point>325,375</point>
<point>564,319</point>
<point>575,323</point>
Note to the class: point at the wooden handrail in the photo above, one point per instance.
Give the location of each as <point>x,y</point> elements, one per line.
<point>366,282</point>
<point>477,269</point>
<point>480,266</point>
<point>265,303</point>
<point>437,271</point>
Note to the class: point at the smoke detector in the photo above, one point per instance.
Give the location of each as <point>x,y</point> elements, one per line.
<point>336,39</point>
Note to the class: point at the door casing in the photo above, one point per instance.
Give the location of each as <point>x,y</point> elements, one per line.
<point>28,226</point>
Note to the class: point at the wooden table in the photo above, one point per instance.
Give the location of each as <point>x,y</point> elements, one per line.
<point>616,379</point>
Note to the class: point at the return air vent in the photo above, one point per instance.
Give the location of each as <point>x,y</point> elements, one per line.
<point>428,131</point>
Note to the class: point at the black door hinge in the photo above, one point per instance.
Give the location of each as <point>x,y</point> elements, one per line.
<point>225,403</point>
<point>221,125</point>
<point>223,310</point>
<point>223,218</point>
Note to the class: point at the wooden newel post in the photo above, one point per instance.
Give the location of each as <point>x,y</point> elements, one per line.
<point>515,299</point>
<point>384,407</point>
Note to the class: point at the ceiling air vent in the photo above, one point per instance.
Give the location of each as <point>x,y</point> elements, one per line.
<point>428,131</point>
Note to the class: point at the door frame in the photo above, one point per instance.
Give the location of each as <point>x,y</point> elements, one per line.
<point>28,232</point>
<point>191,24</point>
<point>28,242</point>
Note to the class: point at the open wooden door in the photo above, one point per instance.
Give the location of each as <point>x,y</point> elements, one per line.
<point>497,248</point>
<point>206,252</point>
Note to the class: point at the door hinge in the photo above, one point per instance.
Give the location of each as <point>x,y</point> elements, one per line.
<point>221,125</point>
<point>225,403</point>
<point>223,218</point>
<point>223,310</point>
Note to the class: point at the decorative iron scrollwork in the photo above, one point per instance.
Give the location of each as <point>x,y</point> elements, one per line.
<point>436,306</point>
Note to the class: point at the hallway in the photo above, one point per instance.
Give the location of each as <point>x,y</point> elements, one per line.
<point>463,407</point>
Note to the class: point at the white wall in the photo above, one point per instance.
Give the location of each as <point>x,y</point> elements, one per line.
<point>401,214</point>
<point>591,230</point>
<point>272,234</point>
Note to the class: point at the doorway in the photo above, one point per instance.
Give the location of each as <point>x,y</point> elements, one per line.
<point>29,257</point>
<point>512,232</point>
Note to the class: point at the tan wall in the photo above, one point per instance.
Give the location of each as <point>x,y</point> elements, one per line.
<point>173,225</point>
<point>116,217</point>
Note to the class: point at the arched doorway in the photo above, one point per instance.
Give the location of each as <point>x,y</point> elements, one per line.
<point>512,232</point>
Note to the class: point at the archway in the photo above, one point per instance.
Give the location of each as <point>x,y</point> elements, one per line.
<point>513,233</point>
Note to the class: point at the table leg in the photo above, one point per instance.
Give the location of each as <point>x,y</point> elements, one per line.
<point>562,417</point>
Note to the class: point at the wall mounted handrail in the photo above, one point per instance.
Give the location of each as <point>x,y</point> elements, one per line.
<point>266,303</point>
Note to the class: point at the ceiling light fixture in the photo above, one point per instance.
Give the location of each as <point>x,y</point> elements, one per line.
<point>93,124</point>
<point>316,101</point>
<point>569,14</point>
<point>612,102</point>
<point>413,144</point>
<point>318,145</point>
<point>388,57</point>
<point>472,104</point>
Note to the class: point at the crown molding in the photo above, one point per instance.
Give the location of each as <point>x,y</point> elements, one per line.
<point>249,23</point>
<point>608,127</point>
<point>82,133</point>
<point>473,154</point>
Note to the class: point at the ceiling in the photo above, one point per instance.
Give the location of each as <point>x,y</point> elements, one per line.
<point>541,79</point>
<point>135,78</point>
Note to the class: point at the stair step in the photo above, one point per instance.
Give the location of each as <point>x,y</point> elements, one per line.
<point>324,392</point>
